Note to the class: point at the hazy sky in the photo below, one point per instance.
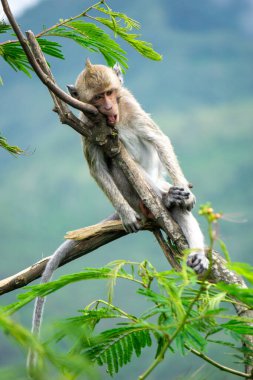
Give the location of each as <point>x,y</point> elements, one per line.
<point>19,6</point>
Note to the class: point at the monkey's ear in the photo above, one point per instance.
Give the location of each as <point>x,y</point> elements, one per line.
<point>72,90</point>
<point>88,64</point>
<point>117,69</point>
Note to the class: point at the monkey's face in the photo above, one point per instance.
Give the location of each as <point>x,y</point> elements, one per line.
<point>107,103</point>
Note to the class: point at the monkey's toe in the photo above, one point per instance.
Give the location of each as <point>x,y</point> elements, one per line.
<point>198,262</point>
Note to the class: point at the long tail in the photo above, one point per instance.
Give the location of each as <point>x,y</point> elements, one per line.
<point>51,266</point>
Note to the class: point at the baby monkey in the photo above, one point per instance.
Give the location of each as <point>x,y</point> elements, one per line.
<point>151,150</point>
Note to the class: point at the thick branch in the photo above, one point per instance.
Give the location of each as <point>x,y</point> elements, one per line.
<point>149,197</point>
<point>93,237</point>
<point>85,240</point>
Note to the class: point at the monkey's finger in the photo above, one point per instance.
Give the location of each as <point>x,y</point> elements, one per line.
<point>135,226</point>
<point>198,262</point>
<point>174,188</point>
<point>193,259</point>
<point>198,268</point>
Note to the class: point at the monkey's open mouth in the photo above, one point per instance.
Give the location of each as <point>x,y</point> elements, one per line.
<point>112,119</point>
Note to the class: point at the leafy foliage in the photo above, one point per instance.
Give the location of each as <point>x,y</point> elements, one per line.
<point>51,48</point>
<point>132,39</point>
<point>184,316</point>
<point>88,35</point>
<point>92,38</point>
<point>14,55</point>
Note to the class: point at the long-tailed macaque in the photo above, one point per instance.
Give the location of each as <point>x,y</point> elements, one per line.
<point>152,151</point>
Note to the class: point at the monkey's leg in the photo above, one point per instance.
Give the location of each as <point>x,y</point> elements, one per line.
<point>190,227</point>
<point>114,216</point>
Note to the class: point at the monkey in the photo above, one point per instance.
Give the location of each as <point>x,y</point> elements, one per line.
<point>103,87</point>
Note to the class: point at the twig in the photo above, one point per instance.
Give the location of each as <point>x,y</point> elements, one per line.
<point>218,365</point>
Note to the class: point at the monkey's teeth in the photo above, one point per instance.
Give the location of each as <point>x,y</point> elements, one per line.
<point>112,119</point>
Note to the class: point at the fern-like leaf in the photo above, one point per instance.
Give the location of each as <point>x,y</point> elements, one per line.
<point>143,47</point>
<point>14,55</point>
<point>43,290</point>
<point>129,23</point>
<point>51,48</point>
<point>92,38</point>
<point>115,347</point>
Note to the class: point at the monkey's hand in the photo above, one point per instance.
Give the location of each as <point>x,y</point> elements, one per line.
<point>198,262</point>
<point>130,220</point>
<point>177,196</point>
<point>190,201</point>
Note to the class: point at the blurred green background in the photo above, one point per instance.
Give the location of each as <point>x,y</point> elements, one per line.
<point>201,95</point>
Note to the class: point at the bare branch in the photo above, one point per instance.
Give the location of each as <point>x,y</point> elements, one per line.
<point>93,238</point>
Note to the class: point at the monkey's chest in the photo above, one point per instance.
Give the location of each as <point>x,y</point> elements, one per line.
<point>143,153</point>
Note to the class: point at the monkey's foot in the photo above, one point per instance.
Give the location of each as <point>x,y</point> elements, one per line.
<point>198,262</point>
<point>131,220</point>
<point>176,196</point>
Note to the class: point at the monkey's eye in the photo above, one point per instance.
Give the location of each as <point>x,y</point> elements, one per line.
<point>109,92</point>
<point>97,97</point>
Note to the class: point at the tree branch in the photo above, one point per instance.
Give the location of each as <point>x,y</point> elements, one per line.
<point>78,243</point>
<point>86,108</point>
<point>93,237</point>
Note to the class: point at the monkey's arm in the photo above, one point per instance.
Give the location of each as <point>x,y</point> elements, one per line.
<point>100,172</point>
<point>165,150</point>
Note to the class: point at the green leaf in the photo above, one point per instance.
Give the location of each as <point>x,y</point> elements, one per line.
<point>51,48</point>
<point>243,269</point>
<point>129,23</point>
<point>15,150</point>
<point>115,347</point>
<point>238,327</point>
<point>244,295</point>
<point>4,27</point>
<point>224,250</point>
<point>43,290</point>
<point>222,342</point>
<point>193,338</point>
<point>143,47</point>
<point>92,38</point>
<point>14,55</point>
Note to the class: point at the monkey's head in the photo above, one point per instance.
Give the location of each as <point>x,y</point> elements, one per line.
<point>99,85</point>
